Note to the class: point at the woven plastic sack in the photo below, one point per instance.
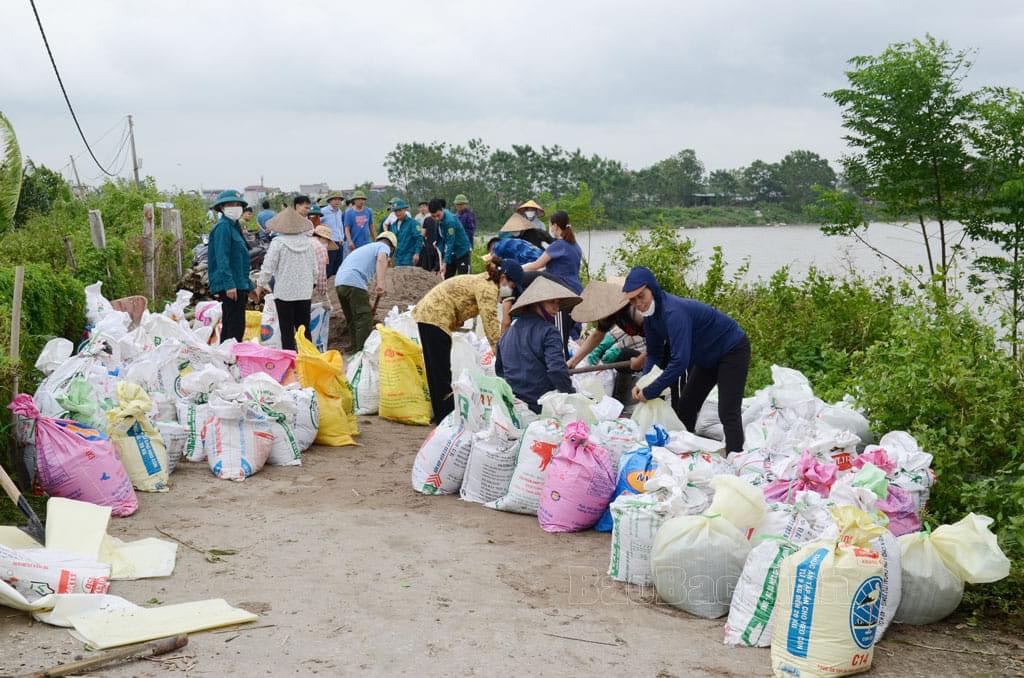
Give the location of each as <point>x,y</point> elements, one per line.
<point>270,329</point>
<point>534,453</point>
<point>320,325</point>
<point>237,442</point>
<point>364,382</point>
<point>175,437</point>
<point>829,602</point>
<point>305,422</point>
<point>253,358</point>
<point>82,405</point>
<point>77,462</point>
<point>632,472</point>
<point>618,436</point>
<point>579,486</point>
<point>137,441</point>
<point>492,461</point>
<point>440,464</point>
<point>324,373</point>
<point>192,417</point>
<point>656,411</point>
<point>404,396</point>
<point>278,410</point>
<point>637,518</point>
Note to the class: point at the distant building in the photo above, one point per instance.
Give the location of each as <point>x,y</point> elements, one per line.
<point>314,190</point>
<point>210,194</point>
<point>254,194</point>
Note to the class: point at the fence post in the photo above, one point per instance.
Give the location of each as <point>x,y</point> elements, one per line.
<point>148,251</point>
<point>170,222</point>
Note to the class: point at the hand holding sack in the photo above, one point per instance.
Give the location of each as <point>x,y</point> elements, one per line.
<point>77,462</point>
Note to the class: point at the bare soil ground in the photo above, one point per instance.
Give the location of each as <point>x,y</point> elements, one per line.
<point>354,573</point>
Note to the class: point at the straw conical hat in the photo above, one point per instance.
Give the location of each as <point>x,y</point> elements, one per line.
<point>543,289</point>
<point>531,205</point>
<point>516,223</point>
<point>289,222</point>
<point>600,300</point>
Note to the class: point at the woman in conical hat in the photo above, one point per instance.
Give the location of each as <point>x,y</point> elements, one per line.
<point>530,356</point>
<point>618,332</point>
<point>291,263</point>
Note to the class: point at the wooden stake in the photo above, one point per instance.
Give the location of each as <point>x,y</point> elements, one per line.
<point>99,233</point>
<point>19,286</point>
<point>152,649</point>
<point>70,254</point>
<point>170,222</point>
<point>148,251</point>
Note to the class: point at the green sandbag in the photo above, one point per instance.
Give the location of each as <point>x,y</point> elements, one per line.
<point>82,405</point>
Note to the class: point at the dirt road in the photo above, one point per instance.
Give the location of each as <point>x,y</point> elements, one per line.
<point>354,573</point>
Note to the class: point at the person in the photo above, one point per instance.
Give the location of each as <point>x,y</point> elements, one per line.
<point>518,226</point>
<point>688,337</point>
<point>513,248</point>
<point>314,214</point>
<point>388,222</point>
<point>445,308</point>
<point>353,282</point>
<point>529,355</point>
<point>302,204</point>
<point>323,245</point>
<point>508,299</point>
<point>247,217</point>
<point>607,307</point>
<point>291,263</point>
<point>456,250</point>
<point>332,216</point>
<point>563,258</point>
<point>229,264</point>
<point>422,213</point>
<point>405,228</point>
<point>358,220</point>
<point>466,216</point>
<point>265,215</point>
<point>430,254</point>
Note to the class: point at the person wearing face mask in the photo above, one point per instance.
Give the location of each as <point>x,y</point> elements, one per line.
<point>445,308</point>
<point>607,307</point>
<point>690,338</point>
<point>529,356</point>
<point>563,259</point>
<point>229,264</point>
<point>529,227</point>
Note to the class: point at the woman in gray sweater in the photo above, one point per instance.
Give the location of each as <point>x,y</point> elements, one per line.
<point>291,262</point>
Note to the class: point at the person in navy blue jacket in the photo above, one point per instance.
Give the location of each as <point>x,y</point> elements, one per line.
<point>687,337</point>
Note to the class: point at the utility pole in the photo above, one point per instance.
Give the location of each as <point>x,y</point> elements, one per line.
<point>135,161</point>
<point>78,182</point>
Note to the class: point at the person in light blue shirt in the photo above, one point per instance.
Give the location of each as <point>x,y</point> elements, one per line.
<point>333,217</point>
<point>358,221</point>
<point>265,215</point>
<point>353,282</point>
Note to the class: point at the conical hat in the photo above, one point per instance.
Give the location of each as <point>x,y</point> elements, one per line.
<point>531,205</point>
<point>516,223</point>
<point>600,300</point>
<point>543,289</point>
<point>289,222</point>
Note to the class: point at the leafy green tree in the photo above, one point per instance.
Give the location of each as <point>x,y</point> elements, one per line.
<point>906,117</point>
<point>673,181</point>
<point>41,189</point>
<point>799,173</point>
<point>10,174</point>
<point>724,183</point>
<point>760,181</point>
<point>998,217</point>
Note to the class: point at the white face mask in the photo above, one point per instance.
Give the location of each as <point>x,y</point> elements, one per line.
<point>505,292</point>
<point>529,214</point>
<point>649,312</point>
<point>233,213</point>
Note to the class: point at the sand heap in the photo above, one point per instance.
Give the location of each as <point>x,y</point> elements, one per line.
<point>404,287</point>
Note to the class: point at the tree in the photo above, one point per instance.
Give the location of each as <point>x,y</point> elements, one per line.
<point>673,181</point>
<point>799,173</point>
<point>998,214</point>
<point>10,174</point>
<point>724,183</point>
<point>760,181</point>
<point>906,116</point>
<point>41,189</point>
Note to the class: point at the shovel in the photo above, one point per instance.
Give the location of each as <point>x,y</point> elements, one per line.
<point>35,526</point>
<point>132,652</point>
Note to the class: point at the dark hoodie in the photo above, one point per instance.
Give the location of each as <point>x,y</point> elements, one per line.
<point>688,331</point>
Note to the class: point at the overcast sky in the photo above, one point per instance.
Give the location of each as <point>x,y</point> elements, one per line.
<point>306,91</point>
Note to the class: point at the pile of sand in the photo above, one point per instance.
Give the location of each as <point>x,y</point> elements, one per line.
<point>404,287</point>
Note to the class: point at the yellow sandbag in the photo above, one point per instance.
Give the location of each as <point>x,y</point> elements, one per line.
<point>252,325</point>
<point>136,440</point>
<point>325,374</point>
<point>404,396</point>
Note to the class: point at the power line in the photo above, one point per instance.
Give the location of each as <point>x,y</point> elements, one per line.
<point>64,91</point>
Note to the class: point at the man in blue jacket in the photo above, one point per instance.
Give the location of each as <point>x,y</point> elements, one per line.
<point>687,337</point>
<point>229,264</point>
<point>456,249</point>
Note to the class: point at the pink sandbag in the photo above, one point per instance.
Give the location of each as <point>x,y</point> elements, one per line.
<point>899,507</point>
<point>811,475</point>
<point>879,458</point>
<point>579,485</point>
<point>254,358</point>
<point>77,462</point>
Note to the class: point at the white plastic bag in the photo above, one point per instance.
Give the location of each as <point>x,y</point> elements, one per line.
<point>440,464</point>
<point>176,309</point>
<point>96,305</point>
<point>617,437</point>
<point>175,437</point>
<point>37,573</point>
<point>320,325</point>
<point>656,411</point>
<point>464,356</point>
<point>54,354</point>
<point>193,417</point>
<point>270,329</point>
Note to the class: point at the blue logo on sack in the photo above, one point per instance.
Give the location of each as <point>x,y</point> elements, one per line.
<point>864,611</point>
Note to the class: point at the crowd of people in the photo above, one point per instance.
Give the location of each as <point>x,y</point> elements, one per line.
<point>530,298</point>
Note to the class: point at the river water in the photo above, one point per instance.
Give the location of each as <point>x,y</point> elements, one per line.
<point>769,248</point>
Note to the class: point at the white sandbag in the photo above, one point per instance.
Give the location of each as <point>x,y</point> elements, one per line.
<point>37,573</point>
<point>371,349</point>
<point>365,383</point>
<point>636,520</point>
<point>175,310</point>
<point>237,442</point>
<point>403,323</point>
<point>199,385</point>
<point>440,464</point>
<point>567,407</point>
<point>96,305</point>
<point>684,442</point>
<point>708,424</point>
<point>617,437</point>
<point>277,410</point>
<point>193,417</point>
<point>270,328</point>
<point>320,326</point>
<point>843,415</point>
<point>54,354</point>
<point>913,466</point>
<point>752,609</point>
<point>464,356</point>
<point>888,547</point>
<point>305,422</point>
<point>535,450</point>
<point>492,461</point>
<point>161,329</point>
<point>656,411</point>
<point>175,437</point>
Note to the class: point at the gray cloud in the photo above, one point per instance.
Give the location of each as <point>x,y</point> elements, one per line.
<point>223,92</point>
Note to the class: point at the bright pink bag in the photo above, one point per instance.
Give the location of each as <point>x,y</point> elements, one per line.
<point>254,358</point>
<point>77,462</point>
<point>579,485</point>
<point>899,507</point>
<point>811,474</point>
<point>879,458</point>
